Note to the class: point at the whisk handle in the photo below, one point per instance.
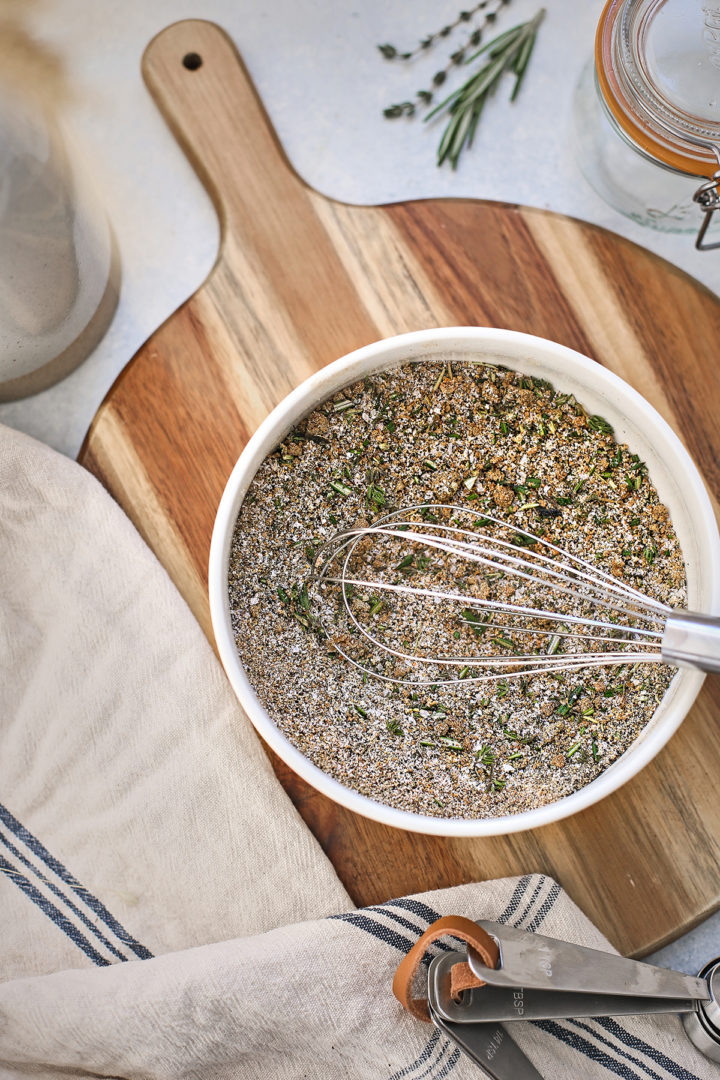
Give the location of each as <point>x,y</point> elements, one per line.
<point>692,640</point>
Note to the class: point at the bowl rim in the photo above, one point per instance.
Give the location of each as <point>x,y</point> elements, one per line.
<point>312,391</point>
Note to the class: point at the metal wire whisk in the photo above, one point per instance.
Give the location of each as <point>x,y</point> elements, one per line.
<point>523,605</point>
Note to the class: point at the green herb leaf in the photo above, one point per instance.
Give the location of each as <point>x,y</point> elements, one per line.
<point>450,744</point>
<point>485,756</point>
<point>521,64</point>
<point>599,423</point>
<point>503,642</point>
<point>375,495</point>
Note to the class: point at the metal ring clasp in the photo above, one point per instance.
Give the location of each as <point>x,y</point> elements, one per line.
<point>707,197</point>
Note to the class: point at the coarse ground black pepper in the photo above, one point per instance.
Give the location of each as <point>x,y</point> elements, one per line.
<point>485,438</point>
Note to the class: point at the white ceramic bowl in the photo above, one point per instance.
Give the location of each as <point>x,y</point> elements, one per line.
<point>635,422</point>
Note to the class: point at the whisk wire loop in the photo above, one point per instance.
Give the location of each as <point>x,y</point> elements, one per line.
<point>559,573</point>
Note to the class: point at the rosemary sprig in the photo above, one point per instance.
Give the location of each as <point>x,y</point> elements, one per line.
<point>510,51</point>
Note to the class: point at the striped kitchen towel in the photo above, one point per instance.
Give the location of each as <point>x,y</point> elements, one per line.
<point>164,912</point>
<point>313,1000</point>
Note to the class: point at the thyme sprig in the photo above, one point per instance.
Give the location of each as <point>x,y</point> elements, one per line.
<point>511,52</point>
<point>425,97</point>
<point>391,52</point>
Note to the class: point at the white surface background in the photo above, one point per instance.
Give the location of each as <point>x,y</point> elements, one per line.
<point>324,84</point>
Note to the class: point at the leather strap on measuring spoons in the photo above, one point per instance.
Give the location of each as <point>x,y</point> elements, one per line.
<point>488,1045</point>
<point>461,976</point>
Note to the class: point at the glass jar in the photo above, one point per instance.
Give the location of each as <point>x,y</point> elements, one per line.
<point>646,114</point>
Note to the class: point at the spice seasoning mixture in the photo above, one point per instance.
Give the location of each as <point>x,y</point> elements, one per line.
<point>478,436</point>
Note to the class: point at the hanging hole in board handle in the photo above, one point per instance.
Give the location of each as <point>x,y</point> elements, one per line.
<point>192,61</point>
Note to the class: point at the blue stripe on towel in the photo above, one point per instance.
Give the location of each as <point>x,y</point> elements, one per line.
<point>587,1049</point>
<point>381,909</point>
<point>84,894</point>
<point>429,1070</point>
<point>427,1052</point>
<point>622,1035</point>
<point>61,895</point>
<point>531,902</point>
<point>416,906</point>
<point>544,908</point>
<point>613,1046</point>
<point>449,1064</point>
<point>514,901</point>
<point>370,926</point>
<point>52,912</point>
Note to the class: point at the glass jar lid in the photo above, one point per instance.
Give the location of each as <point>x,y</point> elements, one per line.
<point>658,67</point>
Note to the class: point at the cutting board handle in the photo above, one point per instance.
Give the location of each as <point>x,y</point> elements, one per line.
<point>277,261</point>
<point>202,87</point>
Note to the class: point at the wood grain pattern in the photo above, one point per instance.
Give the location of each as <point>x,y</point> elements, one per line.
<point>302,280</point>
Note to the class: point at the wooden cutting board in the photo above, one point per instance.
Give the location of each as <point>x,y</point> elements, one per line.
<point>301,280</point>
